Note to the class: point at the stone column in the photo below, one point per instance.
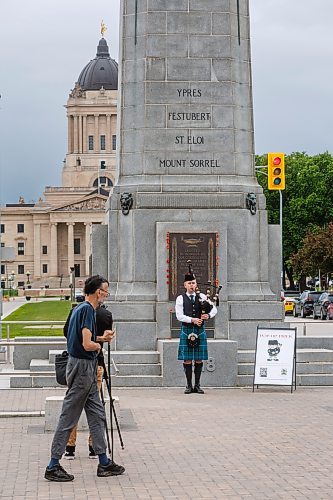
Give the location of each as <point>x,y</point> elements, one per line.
<point>108,134</point>
<point>76,146</point>
<point>88,246</point>
<point>85,138</point>
<point>37,270</point>
<point>96,141</point>
<point>69,135</point>
<point>80,133</point>
<point>54,250</point>
<point>70,233</point>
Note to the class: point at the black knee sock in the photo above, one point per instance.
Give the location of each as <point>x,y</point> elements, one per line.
<point>188,373</point>
<point>197,372</point>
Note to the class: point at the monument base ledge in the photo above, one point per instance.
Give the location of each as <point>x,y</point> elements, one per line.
<point>219,371</point>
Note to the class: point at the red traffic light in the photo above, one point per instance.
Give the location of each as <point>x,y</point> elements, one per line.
<point>276,171</point>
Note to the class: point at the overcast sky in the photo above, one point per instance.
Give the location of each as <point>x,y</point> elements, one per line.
<point>42,52</point>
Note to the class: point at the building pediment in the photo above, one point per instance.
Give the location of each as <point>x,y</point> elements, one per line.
<point>95,203</point>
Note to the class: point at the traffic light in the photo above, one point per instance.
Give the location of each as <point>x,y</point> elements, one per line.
<point>103,166</point>
<point>276,171</point>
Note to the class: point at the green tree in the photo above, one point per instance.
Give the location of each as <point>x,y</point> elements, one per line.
<point>307,204</point>
<point>316,253</point>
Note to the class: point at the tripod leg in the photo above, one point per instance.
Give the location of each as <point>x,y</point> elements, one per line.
<point>111,401</point>
<point>117,425</point>
<point>106,422</point>
<point>112,408</point>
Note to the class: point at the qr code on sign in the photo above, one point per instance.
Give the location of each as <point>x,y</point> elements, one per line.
<point>263,372</point>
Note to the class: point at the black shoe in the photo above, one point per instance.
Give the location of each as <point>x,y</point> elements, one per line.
<point>70,453</point>
<point>57,473</point>
<point>112,469</point>
<point>188,389</point>
<point>198,389</point>
<point>92,453</point>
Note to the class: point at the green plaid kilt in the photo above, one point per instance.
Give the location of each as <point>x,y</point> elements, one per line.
<point>185,352</point>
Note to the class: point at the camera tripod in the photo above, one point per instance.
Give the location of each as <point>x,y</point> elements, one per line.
<point>113,414</point>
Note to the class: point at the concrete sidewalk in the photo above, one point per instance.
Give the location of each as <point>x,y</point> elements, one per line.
<point>228,443</point>
<point>8,306</point>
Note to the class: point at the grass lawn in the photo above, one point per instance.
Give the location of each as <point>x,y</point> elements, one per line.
<point>48,310</point>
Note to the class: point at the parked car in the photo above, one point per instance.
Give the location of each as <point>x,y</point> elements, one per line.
<point>304,304</point>
<point>321,304</point>
<point>289,296</point>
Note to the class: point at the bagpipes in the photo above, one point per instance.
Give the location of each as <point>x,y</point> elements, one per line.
<point>205,305</point>
<point>212,292</point>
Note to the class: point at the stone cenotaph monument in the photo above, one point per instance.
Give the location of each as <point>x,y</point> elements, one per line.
<point>187,187</point>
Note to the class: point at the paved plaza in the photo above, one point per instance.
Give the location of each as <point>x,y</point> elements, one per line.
<point>228,443</point>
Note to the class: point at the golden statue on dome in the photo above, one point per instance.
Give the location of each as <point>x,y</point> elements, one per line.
<point>103,28</point>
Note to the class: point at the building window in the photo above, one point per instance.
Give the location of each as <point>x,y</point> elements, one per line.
<point>44,249</point>
<point>77,246</point>
<point>20,269</point>
<point>20,283</point>
<point>2,244</point>
<point>114,142</point>
<point>2,228</point>
<point>77,271</point>
<point>103,181</point>
<point>102,142</point>
<point>91,143</point>
<point>20,248</point>
<point>20,228</point>
<point>3,269</point>
<point>44,268</point>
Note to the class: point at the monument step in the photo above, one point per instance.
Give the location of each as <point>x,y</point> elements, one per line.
<point>315,379</point>
<point>138,369</point>
<point>41,365</point>
<point>129,357</point>
<point>301,369</point>
<point>244,380</point>
<point>311,379</point>
<point>40,380</point>
<point>29,381</point>
<point>314,355</point>
<point>137,381</point>
<point>308,342</point>
<point>302,355</point>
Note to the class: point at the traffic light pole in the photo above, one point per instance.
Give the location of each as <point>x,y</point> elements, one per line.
<point>257,168</point>
<point>281,205</point>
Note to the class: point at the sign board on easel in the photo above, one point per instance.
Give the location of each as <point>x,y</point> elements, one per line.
<point>275,358</point>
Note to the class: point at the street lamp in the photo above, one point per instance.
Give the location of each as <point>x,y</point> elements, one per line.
<point>72,282</point>
<point>11,280</point>
<point>28,277</point>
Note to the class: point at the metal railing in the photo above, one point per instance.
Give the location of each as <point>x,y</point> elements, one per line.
<point>6,344</point>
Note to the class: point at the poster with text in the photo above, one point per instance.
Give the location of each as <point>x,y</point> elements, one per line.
<point>274,361</point>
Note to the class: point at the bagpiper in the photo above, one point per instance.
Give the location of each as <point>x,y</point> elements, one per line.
<point>192,310</point>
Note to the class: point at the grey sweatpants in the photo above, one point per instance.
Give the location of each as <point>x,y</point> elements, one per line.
<point>81,394</point>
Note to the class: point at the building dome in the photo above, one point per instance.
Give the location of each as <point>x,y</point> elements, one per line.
<point>101,71</point>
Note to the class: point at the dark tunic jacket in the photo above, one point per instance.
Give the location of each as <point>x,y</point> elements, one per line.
<point>190,309</point>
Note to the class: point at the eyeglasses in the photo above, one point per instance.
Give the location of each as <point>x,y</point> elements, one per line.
<point>105,291</point>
